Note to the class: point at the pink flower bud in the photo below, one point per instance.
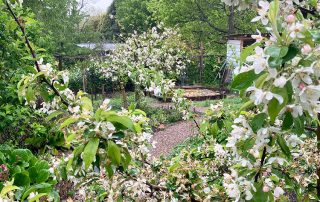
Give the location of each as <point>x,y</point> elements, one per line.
<point>291,18</point>
<point>265,189</point>
<point>302,86</point>
<point>306,49</point>
<point>265,173</point>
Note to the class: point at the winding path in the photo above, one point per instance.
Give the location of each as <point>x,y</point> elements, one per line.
<point>171,136</point>
<point>175,133</point>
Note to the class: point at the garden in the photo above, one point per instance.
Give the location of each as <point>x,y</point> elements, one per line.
<point>159,100</point>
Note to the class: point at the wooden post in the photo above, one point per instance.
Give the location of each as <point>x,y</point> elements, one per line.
<point>84,79</point>
<point>124,95</point>
<point>60,66</point>
<point>103,91</point>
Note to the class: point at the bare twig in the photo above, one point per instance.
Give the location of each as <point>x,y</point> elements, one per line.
<point>33,53</point>
<point>156,187</point>
<point>263,157</point>
<point>205,19</point>
<point>310,129</point>
<point>194,120</point>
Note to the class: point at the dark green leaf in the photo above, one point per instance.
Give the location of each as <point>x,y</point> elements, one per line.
<point>114,153</point>
<point>292,52</point>
<point>122,120</point>
<point>244,80</point>
<point>21,179</point>
<point>90,152</point>
<point>287,121</point>
<point>258,121</point>
<point>284,147</point>
<point>298,127</point>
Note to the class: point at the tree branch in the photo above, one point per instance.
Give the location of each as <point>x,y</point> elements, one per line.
<point>263,157</point>
<point>33,53</point>
<point>205,19</point>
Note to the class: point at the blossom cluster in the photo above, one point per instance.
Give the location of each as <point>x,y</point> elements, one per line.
<point>151,60</point>
<point>285,91</point>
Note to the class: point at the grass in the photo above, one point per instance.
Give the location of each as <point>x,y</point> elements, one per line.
<point>235,102</point>
<point>232,104</point>
<point>190,143</point>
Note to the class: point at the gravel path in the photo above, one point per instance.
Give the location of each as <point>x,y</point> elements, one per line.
<point>171,136</point>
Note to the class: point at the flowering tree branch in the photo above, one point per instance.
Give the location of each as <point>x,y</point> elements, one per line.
<point>33,53</point>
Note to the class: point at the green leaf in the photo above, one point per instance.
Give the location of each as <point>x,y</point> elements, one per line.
<point>244,80</point>
<point>248,51</point>
<point>67,122</point>
<point>273,11</point>
<point>7,189</point>
<point>292,52</point>
<point>22,154</point>
<point>246,105</point>
<point>90,152</point>
<point>37,197</point>
<point>139,112</point>
<point>287,121</point>
<point>274,107</point>
<point>53,115</point>
<point>313,3</point>
<point>259,195</point>
<point>315,35</point>
<point>122,120</point>
<point>21,179</point>
<point>274,62</point>
<point>126,159</point>
<point>175,166</point>
<point>114,153</point>
<point>258,121</point>
<point>109,170</point>
<point>30,94</point>
<point>298,127</point>
<point>43,175</point>
<point>86,103</point>
<point>277,52</point>
<point>283,145</point>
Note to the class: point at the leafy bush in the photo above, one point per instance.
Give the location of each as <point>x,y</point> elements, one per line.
<point>29,176</point>
<point>21,126</point>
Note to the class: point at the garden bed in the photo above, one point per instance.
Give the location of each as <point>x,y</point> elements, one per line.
<point>198,93</point>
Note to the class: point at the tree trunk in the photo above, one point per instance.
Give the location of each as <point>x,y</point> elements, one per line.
<point>231,26</point>
<point>124,96</point>
<point>227,72</point>
<point>60,66</point>
<point>201,59</point>
<point>137,95</point>
<point>84,80</point>
<point>103,92</point>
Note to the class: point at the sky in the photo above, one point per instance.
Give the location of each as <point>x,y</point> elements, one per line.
<point>97,6</point>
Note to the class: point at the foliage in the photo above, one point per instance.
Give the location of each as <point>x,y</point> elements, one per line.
<point>89,72</point>
<point>267,154</point>
<point>29,176</point>
<point>22,126</point>
<point>110,27</point>
<point>133,16</point>
<point>202,21</point>
<point>61,19</point>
